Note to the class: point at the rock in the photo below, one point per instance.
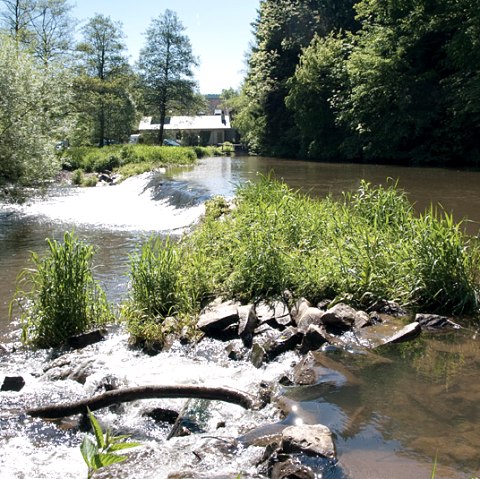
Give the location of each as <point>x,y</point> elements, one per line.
<point>284,341</point>
<point>309,439</point>
<point>105,178</point>
<point>410,331</point>
<point>257,355</point>
<point>235,350</point>
<point>3,350</point>
<point>291,470</point>
<point>310,316</point>
<point>314,338</point>
<point>13,383</point>
<point>163,415</point>
<point>341,316</point>
<point>274,313</point>
<point>434,322</point>
<point>387,307</point>
<point>324,304</point>
<point>247,320</point>
<point>85,339</point>
<point>362,319</point>
<point>299,309</point>
<point>219,320</point>
<point>304,373</point>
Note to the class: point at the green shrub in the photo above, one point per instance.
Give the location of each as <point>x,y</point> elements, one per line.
<point>78,177</point>
<point>59,297</point>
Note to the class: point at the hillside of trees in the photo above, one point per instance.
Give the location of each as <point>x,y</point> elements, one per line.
<point>378,80</point>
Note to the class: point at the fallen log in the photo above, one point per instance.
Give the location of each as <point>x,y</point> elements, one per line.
<point>116,396</point>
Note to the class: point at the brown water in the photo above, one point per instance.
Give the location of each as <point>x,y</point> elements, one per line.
<point>406,404</point>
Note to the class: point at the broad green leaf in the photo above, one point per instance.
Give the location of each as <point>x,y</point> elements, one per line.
<point>97,430</point>
<point>123,445</point>
<point>104,460</point>
<point>88,450</point>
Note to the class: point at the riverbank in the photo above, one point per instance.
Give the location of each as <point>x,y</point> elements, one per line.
<point>125,161</point>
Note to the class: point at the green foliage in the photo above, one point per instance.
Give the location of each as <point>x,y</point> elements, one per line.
<point>165,64</point>
<point>103,452</point>
<point>59,297</point>
<point>30,110</point>
<point>128,159</point>
<point>282,30</point>
<point>104,106</point>
<point>369,246</point>
<point>78,177</point>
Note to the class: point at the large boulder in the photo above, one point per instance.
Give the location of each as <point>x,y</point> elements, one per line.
<point>308,317</point>
<point>220,320</point>
<point>341,317</point>
<point>310,439</point>
<point>314,338</point>
<point>298,309</point>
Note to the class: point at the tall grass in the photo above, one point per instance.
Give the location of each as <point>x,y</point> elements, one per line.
<point>368,246</point>
<point>59,297</point>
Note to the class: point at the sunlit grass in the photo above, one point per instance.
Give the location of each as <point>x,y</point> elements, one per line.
<point>368,246</point>
<point>58,296</point>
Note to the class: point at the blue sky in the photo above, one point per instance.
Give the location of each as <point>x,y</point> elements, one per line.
<point>219,30</point>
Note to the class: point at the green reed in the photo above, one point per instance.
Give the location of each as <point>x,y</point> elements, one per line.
<point>58,297</point>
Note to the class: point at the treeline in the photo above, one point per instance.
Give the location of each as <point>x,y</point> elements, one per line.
<point>374,80</point>
<point>61,83</point>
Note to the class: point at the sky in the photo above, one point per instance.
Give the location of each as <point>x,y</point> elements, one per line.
<point>220,32</point>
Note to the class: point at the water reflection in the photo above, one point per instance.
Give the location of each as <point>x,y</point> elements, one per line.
<point>420,398</point>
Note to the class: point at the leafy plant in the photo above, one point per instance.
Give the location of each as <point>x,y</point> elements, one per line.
<point>102,452</point>
<point>59,297</point>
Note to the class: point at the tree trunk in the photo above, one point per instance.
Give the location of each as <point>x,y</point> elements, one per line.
<point>234,396</point>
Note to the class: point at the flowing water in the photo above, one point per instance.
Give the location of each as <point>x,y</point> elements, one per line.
<point>391,412</point>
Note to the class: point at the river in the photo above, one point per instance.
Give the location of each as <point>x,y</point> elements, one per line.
<point>419,401</point>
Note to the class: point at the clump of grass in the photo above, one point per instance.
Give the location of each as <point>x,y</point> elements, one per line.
<point>59,297</point>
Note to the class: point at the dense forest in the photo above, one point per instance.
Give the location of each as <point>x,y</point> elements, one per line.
<point>379,80</point>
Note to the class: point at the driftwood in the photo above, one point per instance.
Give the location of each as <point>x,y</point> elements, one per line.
<point>109,398</point>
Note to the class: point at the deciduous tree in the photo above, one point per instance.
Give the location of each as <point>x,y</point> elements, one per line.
<point>165,65</point>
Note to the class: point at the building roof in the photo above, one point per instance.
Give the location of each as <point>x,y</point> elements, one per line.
<point>183,123</point>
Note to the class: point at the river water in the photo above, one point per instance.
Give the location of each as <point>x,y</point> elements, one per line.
<point>406,405</point>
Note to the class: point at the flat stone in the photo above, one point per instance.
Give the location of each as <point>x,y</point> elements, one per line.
<point>388,307</point>
<point>434,322</point>
<point>362,320</point>
<point>410,331</point>
<point>284,341</point>
<point>86,339</point>
<point>310,316</point>
<point>309,439</point>
<point>215,319</point>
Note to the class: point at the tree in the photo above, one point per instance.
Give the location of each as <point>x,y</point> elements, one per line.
<point>165,65</point>
<point>320,74</point>
<point>17,17</point>
<point>283,29</point>
<point>53,30</point>
<point>27,134</point>
<point>104,104</point>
